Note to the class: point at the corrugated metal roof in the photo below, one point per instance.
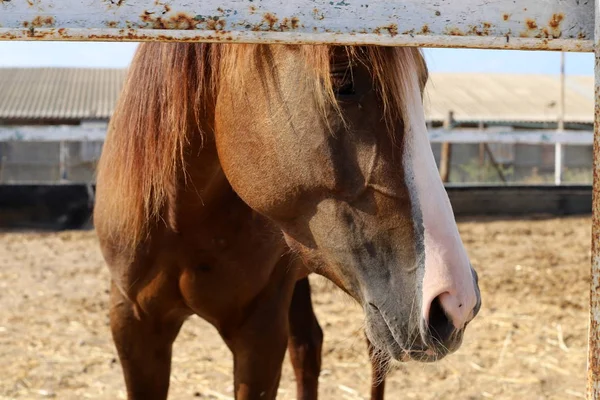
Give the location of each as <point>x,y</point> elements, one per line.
<point>508,97</point>
<point>84,94</point>
<point>59,93</point>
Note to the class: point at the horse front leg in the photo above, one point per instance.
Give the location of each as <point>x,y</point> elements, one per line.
<point>305,347</point>
<point>144,344</point>
<point>377,374</point>
<point>259,344</point>
<point>258,352</point>
<point>305,342</point>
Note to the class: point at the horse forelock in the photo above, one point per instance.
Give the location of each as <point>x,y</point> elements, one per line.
<point>169,88</point>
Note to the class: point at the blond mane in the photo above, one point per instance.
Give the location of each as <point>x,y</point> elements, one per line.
<point>169,87</point>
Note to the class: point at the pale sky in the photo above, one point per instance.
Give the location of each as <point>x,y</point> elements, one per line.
<point>118,55</point>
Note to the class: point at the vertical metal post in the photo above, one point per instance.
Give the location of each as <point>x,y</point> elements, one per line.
<point>446,155</point>
<point>558,149</point>
<point>63,161</point>
<point>593,364</point>
<point>481,153</point>
<point>2,160</point>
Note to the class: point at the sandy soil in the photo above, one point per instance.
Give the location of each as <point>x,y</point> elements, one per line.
<point>529,342</point>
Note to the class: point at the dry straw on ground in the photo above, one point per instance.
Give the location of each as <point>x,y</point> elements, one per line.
<point>529,342</point>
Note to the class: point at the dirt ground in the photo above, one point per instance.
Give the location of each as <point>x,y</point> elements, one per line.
<point>529,341</point>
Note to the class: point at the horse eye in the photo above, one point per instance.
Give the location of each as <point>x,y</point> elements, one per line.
<point>343,84</point>
<point>345,89</point>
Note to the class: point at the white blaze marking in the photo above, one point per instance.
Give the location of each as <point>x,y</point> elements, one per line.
<point>447,267</point>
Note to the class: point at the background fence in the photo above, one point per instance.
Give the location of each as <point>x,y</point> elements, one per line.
<point>519,163</point>
<point>47,162</point>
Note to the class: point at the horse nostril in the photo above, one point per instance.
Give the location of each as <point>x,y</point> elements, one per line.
<point>440,327</point>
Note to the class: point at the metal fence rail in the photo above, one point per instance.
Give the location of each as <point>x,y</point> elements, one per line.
<point>569,25</point>
<point>593,386</point>
<point>541,136</point>
<point>549,24</point>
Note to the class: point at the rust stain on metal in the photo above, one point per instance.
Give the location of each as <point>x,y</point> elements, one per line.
<point>117,3</point>
<point>39,22</point>
<point>129,34</point>
<point>391,28</point>
<point>9,36</point>
<point>289,24</point>
<point>556,20</point>
<point>593,360</point>
<point>425,30</point>
<point>484,30</point>
<point>552,31</point>
<point>112,24</point>
<point>217,25</point>
<point>554,24</point>
<point>506,17</point>
<point>252,9</point>
<point>531,24</point>
<point>270,19</point>
<point>454,32</point>
<point>295,22</point>
<point>318,15</point>
<point>180,20</point>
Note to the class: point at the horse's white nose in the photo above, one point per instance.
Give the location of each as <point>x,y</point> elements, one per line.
<point>446,314</point>
<point>457,311</point>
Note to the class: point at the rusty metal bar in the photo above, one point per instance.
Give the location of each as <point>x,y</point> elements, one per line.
<point>593,384</point>
<point>566,25</point>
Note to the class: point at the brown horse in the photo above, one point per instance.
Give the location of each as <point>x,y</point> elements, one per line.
<point>305,341</point>
<point>230,172</point>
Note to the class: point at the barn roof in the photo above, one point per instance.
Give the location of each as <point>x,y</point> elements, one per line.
<point>63,94</point>
<point>58,93</point>
<point>509,98</point>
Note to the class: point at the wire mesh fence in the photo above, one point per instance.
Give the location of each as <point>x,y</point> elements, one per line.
<point>49,162</point>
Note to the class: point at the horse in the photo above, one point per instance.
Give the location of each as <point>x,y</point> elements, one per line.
<point>230,172</point>
<point>306,340</point>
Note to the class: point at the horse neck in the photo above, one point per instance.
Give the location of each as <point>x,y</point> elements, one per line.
<point>203,190</point>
